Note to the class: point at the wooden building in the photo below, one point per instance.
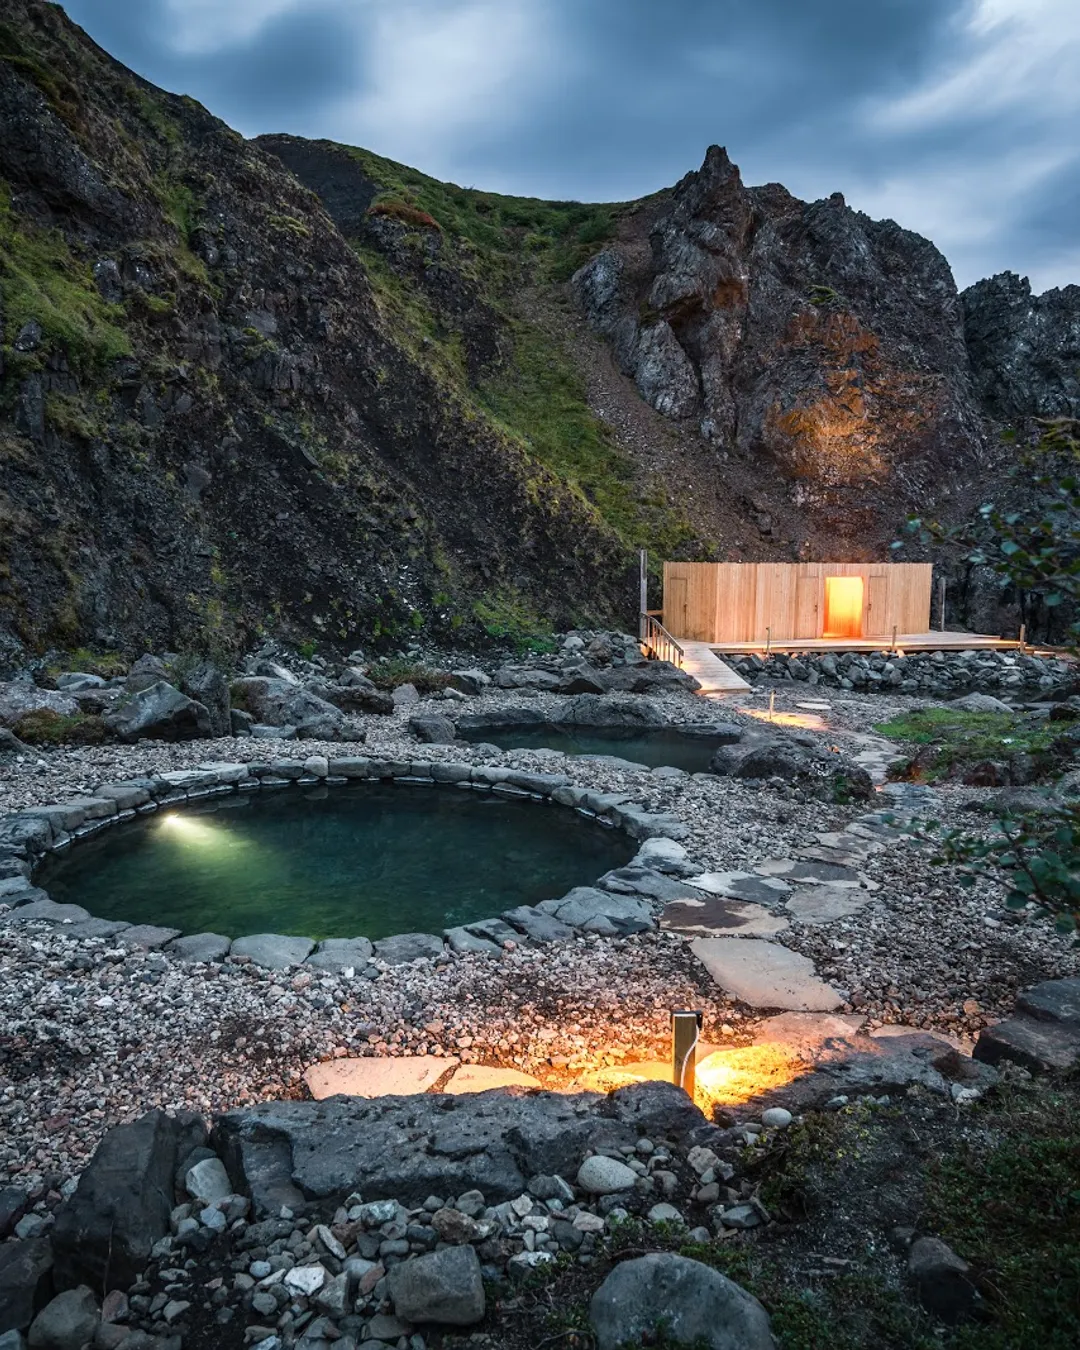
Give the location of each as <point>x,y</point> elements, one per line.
<point>732,604</point>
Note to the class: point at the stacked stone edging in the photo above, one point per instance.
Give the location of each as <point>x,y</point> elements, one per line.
<point>28,836</point>
<point>930,673</point>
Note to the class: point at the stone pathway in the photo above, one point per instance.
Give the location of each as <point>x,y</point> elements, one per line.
<point>819,885</point>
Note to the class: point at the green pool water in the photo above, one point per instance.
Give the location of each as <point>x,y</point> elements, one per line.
<point>364,860</point>
<point>665,745</point>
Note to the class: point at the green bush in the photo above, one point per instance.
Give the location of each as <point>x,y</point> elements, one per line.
<point>46,727</point>
<point>395,671</point>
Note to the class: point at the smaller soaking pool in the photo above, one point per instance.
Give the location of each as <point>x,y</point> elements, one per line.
<point>365,860</point>
<point>672,746</point>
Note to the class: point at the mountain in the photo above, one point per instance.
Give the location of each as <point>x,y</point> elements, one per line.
<point>292,387</point>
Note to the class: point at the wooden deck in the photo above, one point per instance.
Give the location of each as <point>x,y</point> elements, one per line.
<point>712,674</point>
<point>905,642</point>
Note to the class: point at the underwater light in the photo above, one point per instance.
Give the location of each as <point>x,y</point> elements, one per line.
<point>187,828</point>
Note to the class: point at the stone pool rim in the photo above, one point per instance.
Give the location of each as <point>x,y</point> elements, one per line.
<point>29,836</point>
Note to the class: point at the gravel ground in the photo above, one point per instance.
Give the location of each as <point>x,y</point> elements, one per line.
<point>91,1035</point>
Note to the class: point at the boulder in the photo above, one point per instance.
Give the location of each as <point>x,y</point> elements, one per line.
<point>407,1148</point>
<point>693,1304</point>
<point>201,947</point>
<point>338,954</point>
<point>68,1322</point>
<point>495,719</point>
<point>20,697</point>
<point>26,1281</point>
<point>444,1286</point>
<point>240,722</point>
<point>353,693</point>
<point>146,671</point>
<point>207,685</point>
<point>536,925</point>
<point>942,1280</point>
<point>10,743</point>
<point>105,1232</point>
<point>469,681</point>
<point>596,710</point>
<point>433,729</point>
<point>279,703</point>
<point>600,1175</point>
<point>161,713</point>
<point>981,703</point>
<point>207,1181</point>
<point>405,695</point>
<point>602,912</point>
<point>77,682</point>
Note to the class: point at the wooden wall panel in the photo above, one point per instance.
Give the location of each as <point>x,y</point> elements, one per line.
<point>740,602</point>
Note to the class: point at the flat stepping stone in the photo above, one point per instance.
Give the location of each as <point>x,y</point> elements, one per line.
<point>633,880</point>
<point>742,886</point>
<point>97,928</point>
<point>1041,1047</point>
<point>853,856</point>
<point>765,975</point>
<point>337,954</point>
<point>720,916</point>
<point>377,1077</point>
<point>808,1030</point>
<point>200,947</point>
<point>844,842</point>
<point>272,951</point>
<point>801,870</point>
<point>825,904</point>
<point>479,1078</point>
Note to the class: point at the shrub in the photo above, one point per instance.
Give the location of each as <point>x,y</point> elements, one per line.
<point>394,671</point>
<point>408,215</point>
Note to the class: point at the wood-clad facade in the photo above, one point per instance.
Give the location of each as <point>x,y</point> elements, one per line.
<point>778,602</point>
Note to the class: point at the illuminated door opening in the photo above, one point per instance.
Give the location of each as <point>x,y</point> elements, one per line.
<point>843,607</point>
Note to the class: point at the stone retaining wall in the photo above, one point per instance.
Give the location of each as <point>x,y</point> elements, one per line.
<point>934,674</point>
<point>26,837</point>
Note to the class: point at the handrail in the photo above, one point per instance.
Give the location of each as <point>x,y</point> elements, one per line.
<point>658,642</point>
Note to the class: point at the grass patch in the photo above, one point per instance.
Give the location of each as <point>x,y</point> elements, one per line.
<point>510,618</point>
<point>394,671</point>
<point>41,279</point>
<point>949,741</point>
<point>1009,1202</point>
<point>46,727</point>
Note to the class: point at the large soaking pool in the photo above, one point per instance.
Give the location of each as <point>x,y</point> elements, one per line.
<point>365,860</point>
<point>655,747</point>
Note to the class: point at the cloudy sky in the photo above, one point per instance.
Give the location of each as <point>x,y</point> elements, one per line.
<point>958,118</point>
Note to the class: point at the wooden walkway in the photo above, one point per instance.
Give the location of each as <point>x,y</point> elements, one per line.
<point>905,642</point>
<point>711,673</point>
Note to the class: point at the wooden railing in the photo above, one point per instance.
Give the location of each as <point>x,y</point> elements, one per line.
<point>658,642</point>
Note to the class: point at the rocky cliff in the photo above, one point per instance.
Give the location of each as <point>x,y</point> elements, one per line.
<point>289,386</point>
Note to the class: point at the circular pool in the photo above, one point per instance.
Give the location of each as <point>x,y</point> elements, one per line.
<point>364,860</point>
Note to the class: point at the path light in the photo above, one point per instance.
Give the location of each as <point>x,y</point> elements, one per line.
<point>685,1030</point>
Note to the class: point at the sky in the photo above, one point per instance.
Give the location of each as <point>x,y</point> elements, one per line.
<point>958,118</point>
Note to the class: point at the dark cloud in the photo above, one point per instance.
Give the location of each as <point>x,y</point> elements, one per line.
<point>626,95</point>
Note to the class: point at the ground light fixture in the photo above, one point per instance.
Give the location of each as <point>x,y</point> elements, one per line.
<point>685,1032</point>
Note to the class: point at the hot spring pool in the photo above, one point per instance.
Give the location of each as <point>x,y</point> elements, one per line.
<point>364,860</point>
<point>662,746</point>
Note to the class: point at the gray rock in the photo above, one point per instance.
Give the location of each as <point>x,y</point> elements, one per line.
<point>405,695</point>
<point>202,947</point>
<point>104,1233</point>
<point>160,712</point>
<point>12,1340</point>
<point>146,671</point>
<point>433,729</point>
<point>1040,1046</point>
<point>19,698</point>
<point>469,681</point>
<point>68,1322</point>
<point>353,693</point>
<point>13,1202</point>
<point>338,954</point>
<point>600,1175</point>
<point>409,1148</point>
<point>278,703</point>
<point>404,947</point>
<point>1053,1001</point>
<point>208,1181</point>
<point>26,1270</point>
<point>207,685</point>
<point>274,951</point>
<point>73,681</point>
<point>444,1286</point>
<point>598,911</point>
<point>694,1304</point>
<point>536,925</point>
<point>941,1280</point>
<point>49,910</point>
<point>981,703</point>
<point>461,940</point>
<point>148,936</point>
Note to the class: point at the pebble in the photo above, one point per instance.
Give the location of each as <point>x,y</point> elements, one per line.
<point>776,1118</point>
<point>605,1176</point>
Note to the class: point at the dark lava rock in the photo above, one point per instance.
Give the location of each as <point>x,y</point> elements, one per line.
<point>161,713</point>
<point>433,729</point>
<point>26,1270</point>
<point>207,685</point>
<point>941,1280</point>
<point>689,1301</point>
<point>104,1233</point>
<point>444,1286</point>
<point>408,1148</point>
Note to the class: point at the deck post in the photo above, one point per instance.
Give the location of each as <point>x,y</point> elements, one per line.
<point>941,593</point>
<point>643,591</point>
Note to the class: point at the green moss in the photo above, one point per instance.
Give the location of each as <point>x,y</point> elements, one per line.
<point>950,738</point>
<point>41,279</point>
<point>68,415</point>
<point>45,727</point>
<point>392,672</point>
<point>509,617</point>
<point>59,92</point>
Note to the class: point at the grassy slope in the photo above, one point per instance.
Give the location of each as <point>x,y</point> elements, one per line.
<point>504,244</point>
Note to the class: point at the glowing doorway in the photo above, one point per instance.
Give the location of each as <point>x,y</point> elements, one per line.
<point>843,607</point>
